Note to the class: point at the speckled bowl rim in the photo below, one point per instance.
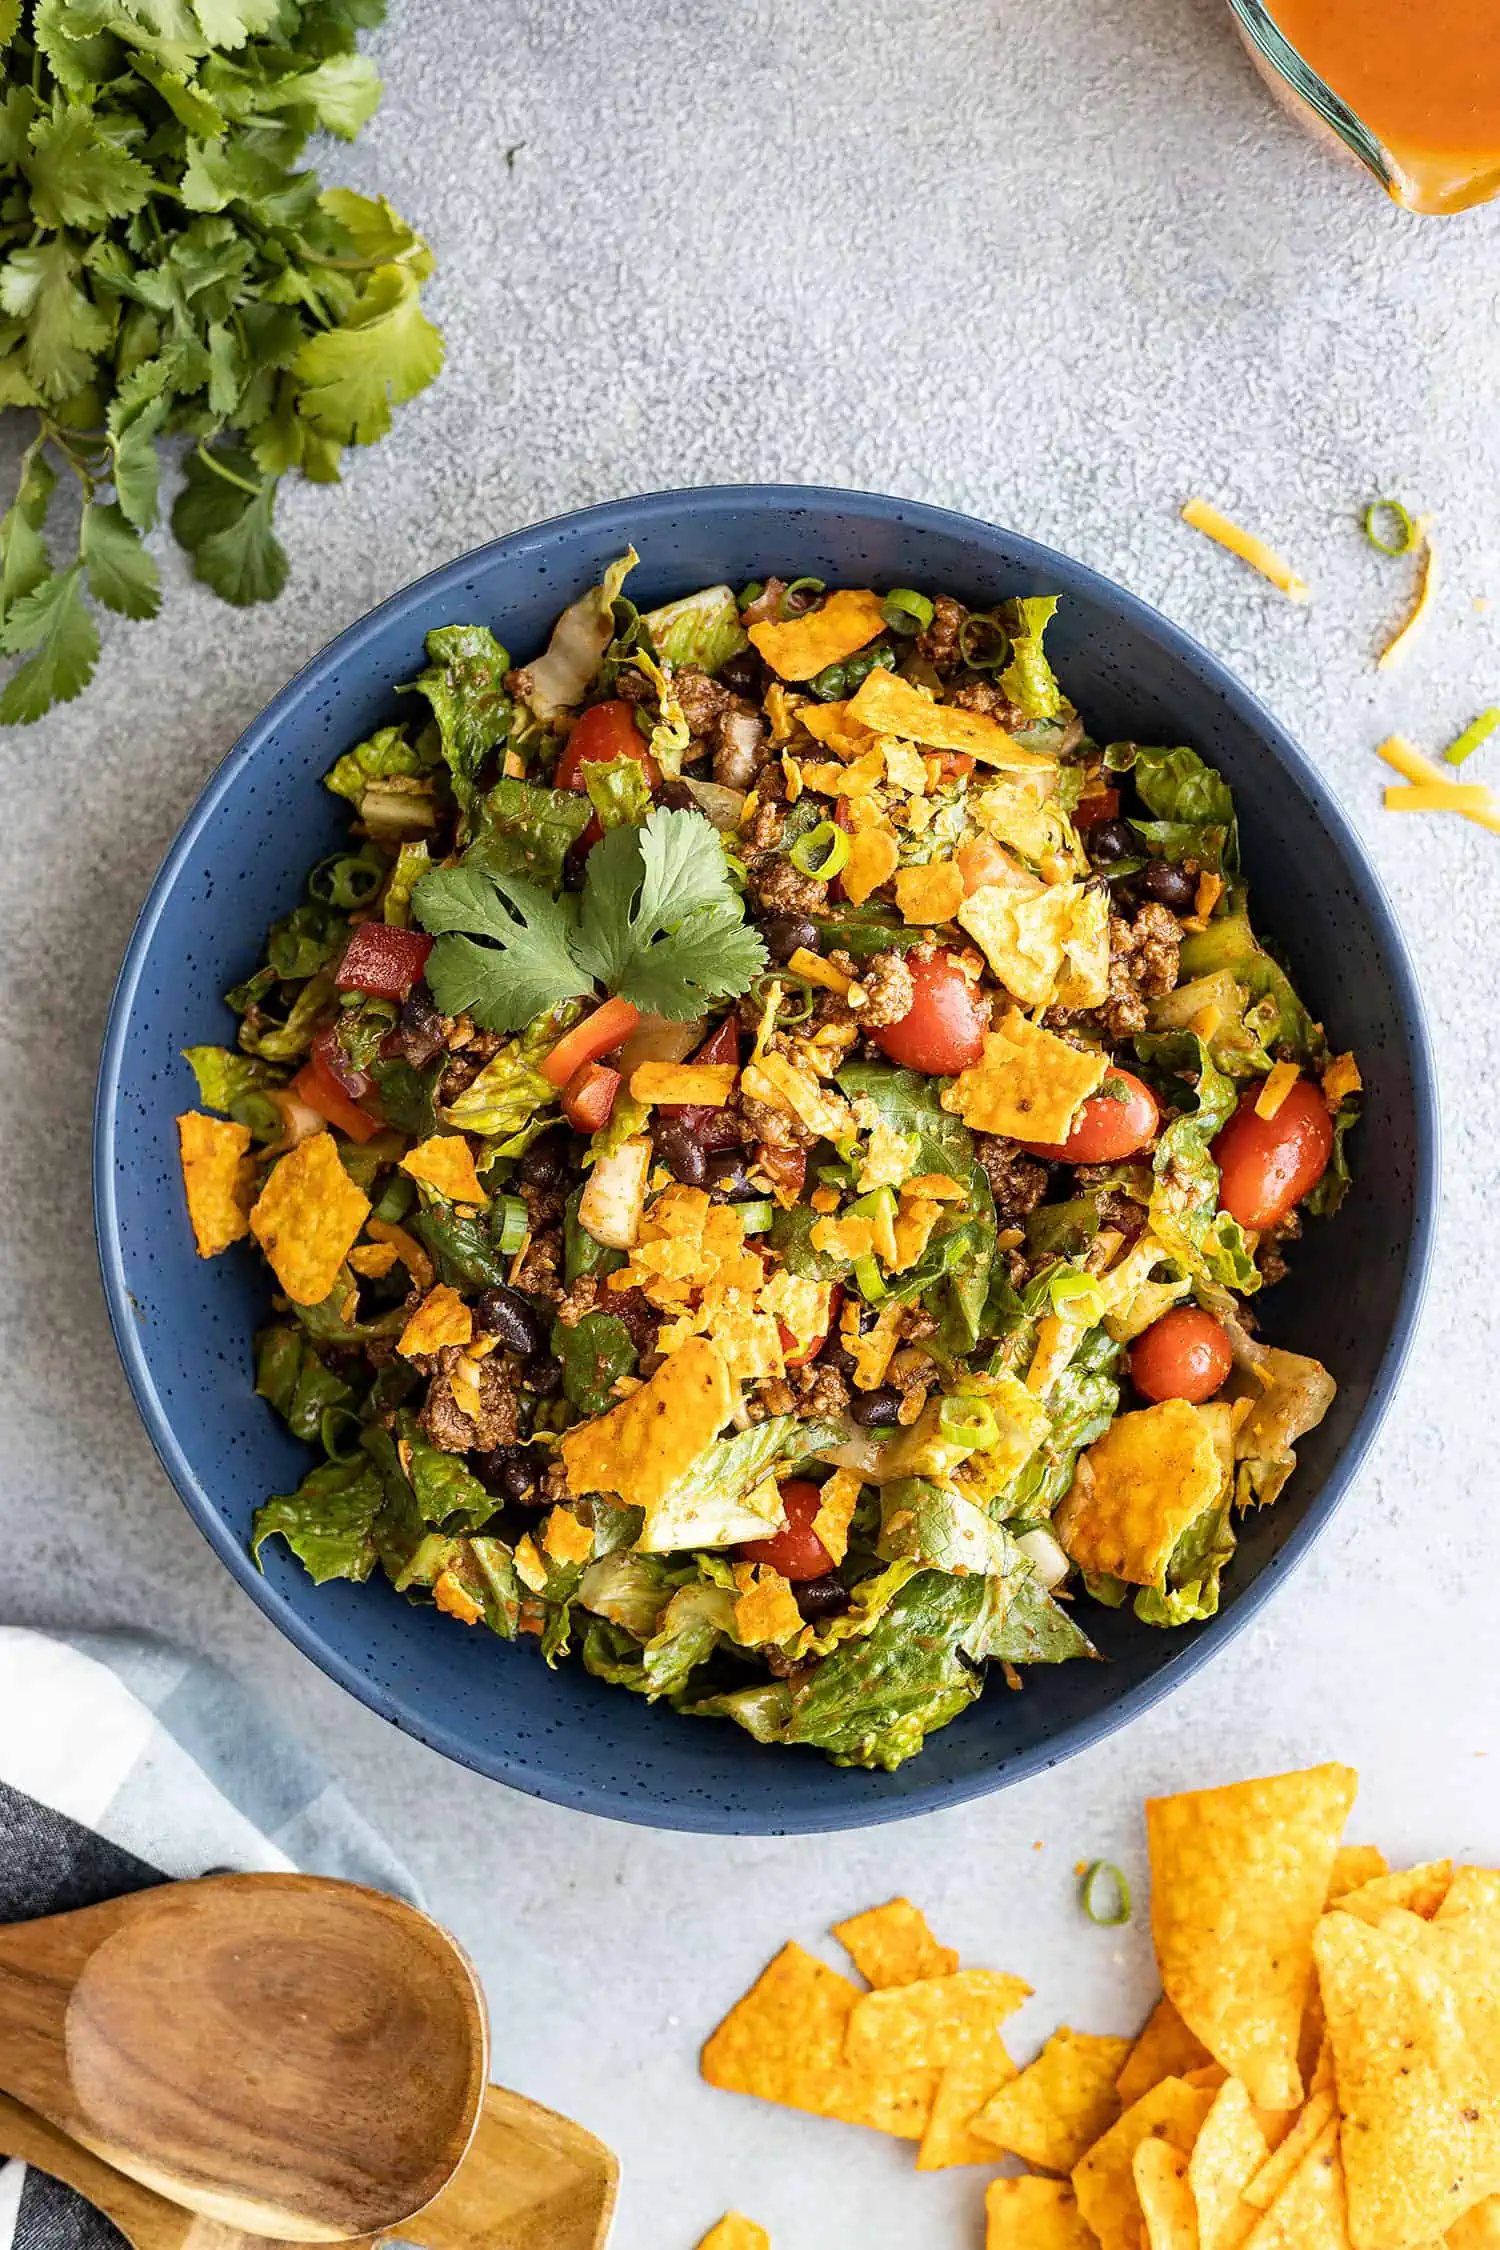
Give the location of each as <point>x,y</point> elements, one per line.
<point>584,1794</point>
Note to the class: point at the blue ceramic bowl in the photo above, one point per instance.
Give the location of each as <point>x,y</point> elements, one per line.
<point>184,1326</point>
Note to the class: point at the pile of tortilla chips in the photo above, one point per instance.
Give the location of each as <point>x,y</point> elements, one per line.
<point>1321,2073</point>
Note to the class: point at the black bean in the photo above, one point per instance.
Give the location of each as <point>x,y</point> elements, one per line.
<point>543,1377</point>
<point>680,1151</point>
<point>420,1028</point>
<point>507,1472</point>
<point>822,1597</point>
<point>1111,840</point>
<point>502,1313</point>
<point>547,1160</point>
<point>875,1410</point>
<point>728,1175</point>
<point>786,934</point>
<point>1171,885</point>
<point>677,797</point>
<point>743,673</point>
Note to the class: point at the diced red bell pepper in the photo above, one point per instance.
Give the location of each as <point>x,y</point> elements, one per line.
<point>1100,805</point>
<point>811,1349</point>
<point>786,1169</point>
<point>316,1085</point>
<point>382,960</point>
<point>712,1128</point>
<point>598,1034</point>
<point>589,1096</point>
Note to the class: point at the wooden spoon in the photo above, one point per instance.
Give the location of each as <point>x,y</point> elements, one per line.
<point>287,2055</point>
<point>531,2181</point>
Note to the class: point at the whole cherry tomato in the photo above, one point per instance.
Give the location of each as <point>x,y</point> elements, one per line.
<point>1185,1354</point>
<point>797,1552</point>
<point>1109,1127</point>
<point>942,1032</point>
<point>1267,1164</point>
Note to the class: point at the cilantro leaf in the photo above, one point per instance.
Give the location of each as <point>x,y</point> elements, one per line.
<point>341,94</point>
<point>136,471</point>
<point>385,351</point>
<point>223,517</point>
<point>526,968</point>
<point>229,23</point>
<point>51,621</point>
<point>660,917</point>
<point>120,572</point>
<point>64,328</point>
<point>465,685</point>
<point>78,177</point>
<point>713,955</point>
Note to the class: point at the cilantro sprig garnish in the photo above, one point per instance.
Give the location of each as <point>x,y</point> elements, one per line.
<point>166,269</point>
<point>658,923</point>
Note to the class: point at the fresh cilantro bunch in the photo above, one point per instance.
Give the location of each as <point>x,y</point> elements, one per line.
<point>658,923</point>
<point>166,268</point>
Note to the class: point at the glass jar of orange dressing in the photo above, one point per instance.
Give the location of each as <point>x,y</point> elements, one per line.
<point>1412,87</point>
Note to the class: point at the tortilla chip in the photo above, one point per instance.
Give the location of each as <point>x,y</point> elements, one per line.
<point>565,1539</point>
<point>930,893</point>
<point>888,705</point>
<point>873,854</point>
<point>307,1217</point>
<point>765,1607</point>
<point>1212,2075</point>
<point>830,723</point>
<point>1238,1879</point>
<point>1104,2179</point>
<point>1228,2153</point>
<point>446,1162</point>
<point>1478,2229</point>
<point>216,1179</point>
<point>1028,1083</point>
<point>441,1318</point>
<point>373,1260</point>
<point>735,2232</point>
<point>642,1446</point>
<point>1421,1890</point>
<point>1311,2212</point>
<point>1263,2186</point>
<point>701,1085</point>
<point>1165,2049</point>
<point>837,1501</point>
<point>932,2022</point>
<point>1022,934</point>
<point>1160,2173</point>
<point>892,1944</point>
<point>1463,1942</point>
<point>800,647</point>
<point>1061,2103</point>
<point>415,1259</point>
<point>1034,2215</point>
<point>785,2043</point>
<point>1354,1864</point>
<point>1136,1490</point>
<point>964,2088</point>
<point>1421,2120</point>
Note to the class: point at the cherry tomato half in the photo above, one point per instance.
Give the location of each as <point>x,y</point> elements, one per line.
<point>942,1032</point>
<point>797,1552</point>
<point>1267,1164</point>
<point>607,730</point>
<point>981,862</point>
<point>1109,1127</point>
<point>1185,1354</point>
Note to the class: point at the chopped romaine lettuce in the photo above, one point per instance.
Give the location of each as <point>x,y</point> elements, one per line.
<point>1038,1630</point>
<point>618,791</point>
<point>292,1376</point>
<point>701,629</point>
<point>327,1522</point>
<point>465,684</point>
<point>707,1507</point>
<point>559,680</point>
<point>521,829</point>
<point>593,1354</point>
<point>1185,1214</point>
<point>1028,679</point>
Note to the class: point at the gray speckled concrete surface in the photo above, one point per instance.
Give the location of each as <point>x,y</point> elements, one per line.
<point>1057,266</point>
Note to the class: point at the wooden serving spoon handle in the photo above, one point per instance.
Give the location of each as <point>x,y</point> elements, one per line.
<point>532,2180</point>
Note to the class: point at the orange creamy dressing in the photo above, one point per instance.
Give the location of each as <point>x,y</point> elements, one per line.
<point>1423,76</point>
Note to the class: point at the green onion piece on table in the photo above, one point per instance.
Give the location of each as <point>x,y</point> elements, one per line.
<point>1114,1909</point>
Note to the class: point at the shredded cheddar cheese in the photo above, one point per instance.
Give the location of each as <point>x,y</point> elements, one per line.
<point>1282,1078</point>
<point>1409,761</point>
<point>1400,641</point>
<point>1227,533</point>
<point>1439,796</point>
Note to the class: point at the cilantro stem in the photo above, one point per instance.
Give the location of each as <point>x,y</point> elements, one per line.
<point>228,475</point>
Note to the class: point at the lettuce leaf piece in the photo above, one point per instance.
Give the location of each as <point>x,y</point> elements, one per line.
<point>1081,1405</point>
<point>1293,1401</point>
<point>1193,1572</point>
<point>1238,1041</point>
<point>629,1590</point>
<point>1176,785</point>
<point>1336,1182</point>
<point>484,1568</point>
<point>1179,840</point>
<point>408,1096</point>
<point>935,1526</point>
<point>593,1354</point>
<point>510,1089</point>
<point>325,1322</point>
<point>308,939</point>
<point>1028,679</point>
<point>447,1493</point>
<point>790,1236</point>
<point>290,1373</point>
<point>581,1253</point>
<point>290,1039</point>
<point>1185,1214</point>
<point>1230,943</point>
<point>328,1522</point>
<point>463,1250</point>
<point>953,1274</point>
<point>522,829</point>
<point>1038,1630</point>
<point>705,1507</point>
<point>399,1527</point>
<point>388,752</point>
<point>412,863</point>
<point>465,684</point>
<point>238,1086</point>
<point>618,791</point>
<point>558,680</point>
<point>701,629</point>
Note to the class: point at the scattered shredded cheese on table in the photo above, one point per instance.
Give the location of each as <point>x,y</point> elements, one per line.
<point>1250,549</point>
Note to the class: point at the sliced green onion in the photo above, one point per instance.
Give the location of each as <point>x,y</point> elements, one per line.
<point>795,990</point>
<point>397,1200</point>
<point>830,684</point>
<point>879,1203</point>
<point>906,612</point>
<point>333,1424</point>
<point>867,1279</point>
<point>835,1175</point>
<point>859,668</point>
<point>756,1217</point>
<point>983,643</point>
<point>345,880</point>
<point>822,853</point>
<point>1471,738</point>
<point>737,871</point>
<point>514,1222</point>
<point>1075,1296</point>
<point>804,592</point>
<point>751,593</point>
<point>1407,534</point>
<point>1105,1872</point>
<point>967,1421</point>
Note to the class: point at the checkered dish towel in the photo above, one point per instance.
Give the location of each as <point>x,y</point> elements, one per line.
<point>125,1762</point>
